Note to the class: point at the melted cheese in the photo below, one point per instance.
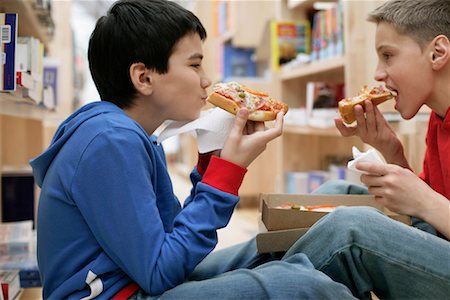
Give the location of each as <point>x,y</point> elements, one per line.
<point>236,92</point>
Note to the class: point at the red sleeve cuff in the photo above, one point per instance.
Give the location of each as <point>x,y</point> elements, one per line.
<point>224,175</point>
<point>203,161</point>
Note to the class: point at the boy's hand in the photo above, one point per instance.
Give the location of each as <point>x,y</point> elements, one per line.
<point>396,188</point>
<point>248,139</point>
<point>373,129</point>
<point>403,192</point>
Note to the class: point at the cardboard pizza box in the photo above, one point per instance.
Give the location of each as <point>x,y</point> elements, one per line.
<point>276,218</point>
<point>280,228</point>
<point>278,240</point>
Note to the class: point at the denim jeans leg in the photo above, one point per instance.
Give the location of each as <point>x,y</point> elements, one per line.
<point>243,255</point>
<point>293,278</point>
<point>239,272</point>
<point>367,251</point>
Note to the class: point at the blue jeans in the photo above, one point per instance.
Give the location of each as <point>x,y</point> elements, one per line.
<point>367,251</point>
<point>239,272</point>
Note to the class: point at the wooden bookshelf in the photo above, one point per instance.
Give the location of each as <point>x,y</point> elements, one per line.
<point>313,68</point>
<point>309,130</point>
<point>20,107</point>
<point>26,128</point>
<point>29,19</point>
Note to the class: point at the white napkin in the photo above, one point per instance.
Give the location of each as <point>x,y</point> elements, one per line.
<point>370,156</point>
<point>211,129</point>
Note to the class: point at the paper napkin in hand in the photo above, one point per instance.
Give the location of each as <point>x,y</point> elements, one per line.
<point>211,129</point>
<point>370,156</point>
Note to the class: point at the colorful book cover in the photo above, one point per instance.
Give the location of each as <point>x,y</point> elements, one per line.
<point>8,40</point>
<point>288,39</point>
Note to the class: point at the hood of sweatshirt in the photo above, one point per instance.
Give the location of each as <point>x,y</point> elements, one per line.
<point>41,163</point>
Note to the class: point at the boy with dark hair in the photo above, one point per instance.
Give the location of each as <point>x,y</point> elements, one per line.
<point>361,247</point>
<point>109,224</point>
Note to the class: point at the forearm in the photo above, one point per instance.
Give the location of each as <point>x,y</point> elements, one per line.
<point>437,214</point>
<point>396,157</point>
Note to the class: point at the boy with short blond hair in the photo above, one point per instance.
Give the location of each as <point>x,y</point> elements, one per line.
<point>361,247</point>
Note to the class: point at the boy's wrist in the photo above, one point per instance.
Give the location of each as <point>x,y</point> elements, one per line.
<point>224,175</point>
<point>203,161</point>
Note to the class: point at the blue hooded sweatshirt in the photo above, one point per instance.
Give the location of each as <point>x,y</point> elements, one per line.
<point>107,213</point>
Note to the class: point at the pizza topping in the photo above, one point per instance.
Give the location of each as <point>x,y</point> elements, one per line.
<point>242,95</point>
<point>316,208</point>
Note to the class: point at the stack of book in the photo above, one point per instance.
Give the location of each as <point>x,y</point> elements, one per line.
<point>18,251</point>
<point>10,283</point>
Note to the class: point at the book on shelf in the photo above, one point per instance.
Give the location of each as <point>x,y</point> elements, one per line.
<point>16,237</point>
<point>10,282</point>
<point>8,41</point>
<point>288,39</point>
<point>27,264</point>
<point>237,62</point>
<point>50,83</point>
<point>327,33</point>
<point>222,17</point>
<point>30,68</point>
<point>322,102</point>
<point>305,182</point>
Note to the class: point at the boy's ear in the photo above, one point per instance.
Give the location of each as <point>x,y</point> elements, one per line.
<point>141,79</point>
<point>440,55</point>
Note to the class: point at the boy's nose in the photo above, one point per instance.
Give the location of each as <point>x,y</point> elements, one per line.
<point>380,74</point>
<point>205,81</point>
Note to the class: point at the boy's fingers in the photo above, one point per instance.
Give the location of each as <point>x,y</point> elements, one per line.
<point>277,130</point>
<point>240,121</point>
<point>344,130</point>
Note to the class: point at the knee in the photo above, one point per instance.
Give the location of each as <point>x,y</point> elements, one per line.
<point>340,187</point>
<point>352,219</point>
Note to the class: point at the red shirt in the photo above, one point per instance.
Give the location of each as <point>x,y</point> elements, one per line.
<point>436,165</point>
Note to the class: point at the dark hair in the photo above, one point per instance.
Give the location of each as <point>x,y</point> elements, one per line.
<point>132,31</point>
<point>422,20</point>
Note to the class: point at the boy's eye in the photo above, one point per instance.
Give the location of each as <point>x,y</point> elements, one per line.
<point>386,56</point>
<point>196,65</point>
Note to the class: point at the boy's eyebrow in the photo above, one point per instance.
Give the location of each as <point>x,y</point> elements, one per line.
<point>381,47</point>
<point>196,56</point>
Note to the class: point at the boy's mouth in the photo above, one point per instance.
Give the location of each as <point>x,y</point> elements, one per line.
<point>392,90</point>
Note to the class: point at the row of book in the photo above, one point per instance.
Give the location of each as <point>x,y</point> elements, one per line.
<point>18,253</point>
<point>303,41</point>
<point>307,182</point>
<point>26,73</point>
<point>327,33</point>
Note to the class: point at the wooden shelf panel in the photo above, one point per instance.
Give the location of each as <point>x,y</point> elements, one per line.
<point>11,105</point>
<point>308,130</point>
<point>304,4</point>
<point>29,24</point>
<point>314,68</point>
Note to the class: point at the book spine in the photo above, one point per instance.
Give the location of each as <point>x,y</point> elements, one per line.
<point>8,39</point>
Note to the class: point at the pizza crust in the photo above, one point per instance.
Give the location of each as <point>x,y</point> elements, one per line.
<point>346,106</point>
<point>232,107</point>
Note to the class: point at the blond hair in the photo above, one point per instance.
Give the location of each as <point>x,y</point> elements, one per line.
<point>422,20</point>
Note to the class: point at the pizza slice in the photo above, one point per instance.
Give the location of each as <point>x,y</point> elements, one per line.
<point>233,96</point>
<point>377,95</point>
